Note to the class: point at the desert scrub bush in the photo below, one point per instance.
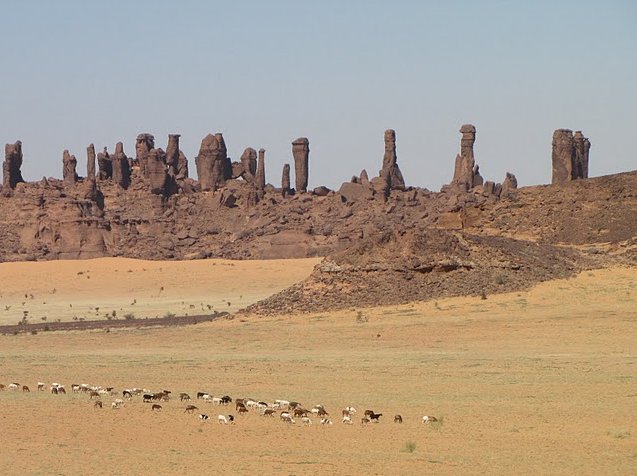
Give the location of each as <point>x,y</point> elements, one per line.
<point>129,316</point>
<point>169,315</point>
<point>361,318</point>
<point>409,447</point>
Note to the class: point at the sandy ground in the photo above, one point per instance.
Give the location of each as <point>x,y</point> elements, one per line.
<point>94,289</point>
<point>542,382</point>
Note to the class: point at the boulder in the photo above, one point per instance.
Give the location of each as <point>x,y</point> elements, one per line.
<point>352,192</point>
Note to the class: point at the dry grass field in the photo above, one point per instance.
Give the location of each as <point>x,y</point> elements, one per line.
<point>538,382</point>
<point>94,289</point>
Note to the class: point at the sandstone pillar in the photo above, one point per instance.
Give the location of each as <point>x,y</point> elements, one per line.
<point>301,153</point>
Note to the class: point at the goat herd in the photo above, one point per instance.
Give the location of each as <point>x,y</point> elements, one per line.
<point>288,411</point>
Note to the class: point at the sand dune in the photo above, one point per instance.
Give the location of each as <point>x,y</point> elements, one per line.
<point>93,289</point>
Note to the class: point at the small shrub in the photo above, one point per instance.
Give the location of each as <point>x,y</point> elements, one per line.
<point>483,295</point>
<point>500,279</point>
<point>34,332</point>
<point>410,447</point>
<point>129,316</point>
<point>360,318</point>
<point>47,328</point>
<point>114,313</point>
<point>169,315</point>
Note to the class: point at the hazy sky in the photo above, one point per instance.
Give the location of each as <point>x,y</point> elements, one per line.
<point>338,72</point>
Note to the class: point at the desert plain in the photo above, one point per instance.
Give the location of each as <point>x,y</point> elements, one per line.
<point>535,382</point>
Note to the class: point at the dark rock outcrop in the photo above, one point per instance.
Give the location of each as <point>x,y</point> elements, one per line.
<point>249,164</point>
<point>69,168</point>
<point>212,162</point>
<point>143,145</point>
<point>569,156</point>
<point>157,171</point>
<point>104,164</point>
<point>11,173</point>
<point>260,177</point>
<point>90,162</point>
<point>172,154</point>
<point>465,169</point>
<point>285,180</point>
<point>121,167</point>
<point>301,153</point>
<point>509,184</point>
<point>390,171</point>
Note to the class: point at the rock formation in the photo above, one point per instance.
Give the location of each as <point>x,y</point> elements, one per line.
<point>260,177</point>
<point>249,163</point>
<point>509,184</point>
<point>11,174</point>
<point>212,162</point>
<point>465,170</point>
<point>582,146</point>
<point>121,168</point>
<point>285,180</point>
<point>569,156</point>
<point>301,153</point>
<point>143,144</point>
<point>90,162</point>
<point>390,171</point>
<point>104,165</point>
<point>69,166</point>
<point>182,167</point>
<point>172,154</point>
<point>157,171</point>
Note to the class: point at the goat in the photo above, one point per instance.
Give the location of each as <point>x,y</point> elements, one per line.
<point>203,417</point>
<point>429,419</point>
<point>13,386</point>
<point>190,409</point>
<point>2,387</point>
<point>41,386</point>
<point>127,394</point>
<point>156,406</point>
<point>147,398</point>
<point>25,389</point>
<point>306,420</point>
<point>347,419</point>
<point>97,404</point>
<point>287,418</point>
<point>114,406</point>
<point>90,396</point>
<point>226,400</point>
<point>269,412</point>
<point>365,420</point>
<point>373,416</point>
<point>216,400</point>
<point>184,396</point>
<point>239,405</point>
<point>241,409</point>
<point>326,421</point>
<point>398,419</point>
<point>300,412</point>
<point>200,395</point>
<point>223,419</point>
<point>61,389</point>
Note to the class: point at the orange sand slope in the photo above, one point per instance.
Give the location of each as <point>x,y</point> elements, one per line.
<point>93,289</point>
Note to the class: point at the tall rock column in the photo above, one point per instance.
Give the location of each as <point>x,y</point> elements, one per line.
<point>301,153</point>
<point>465,168</point>
<point>105,165</point>
<point>172,154</point>
<point>90,162</point>
<point>11,174</point>
<point>261,170</point>
<point>69,168</point>
<point>285,180</point>
<point>212,162</point>
<point>582,146</point>
<point>121,168</point>
<point>143,144</point>
<point>563,156</point>
<point>157,171</point>
<point>182,166</point>
<point>390,171</point>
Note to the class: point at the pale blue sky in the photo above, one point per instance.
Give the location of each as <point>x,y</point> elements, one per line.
<point>338,72</point>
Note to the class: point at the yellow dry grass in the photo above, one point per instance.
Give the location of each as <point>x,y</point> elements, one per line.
<point>539,382</point>
<point>93,289</point>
